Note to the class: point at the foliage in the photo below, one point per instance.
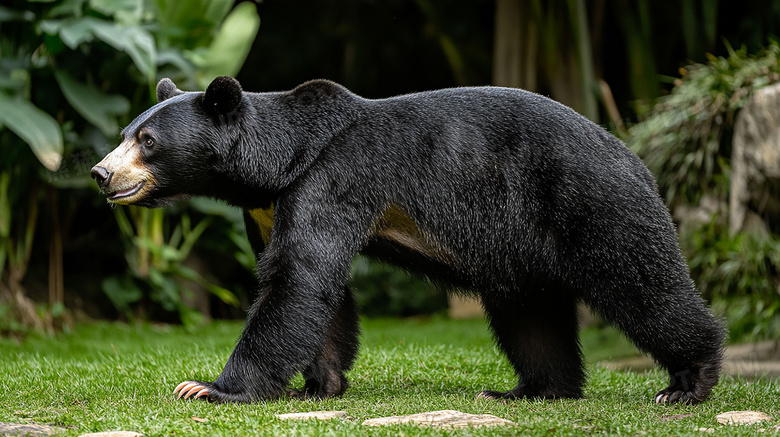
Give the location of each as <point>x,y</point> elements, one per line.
<point>37,128</point>
<point>72,72</point>
<point>19,212</point>
<point>235,232</point>
<point>685,140</point>
<point>156,263</point>
<point>741,276</point>
<point>384,290</point>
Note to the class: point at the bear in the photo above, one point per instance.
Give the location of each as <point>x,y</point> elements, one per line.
<point>500,192</point>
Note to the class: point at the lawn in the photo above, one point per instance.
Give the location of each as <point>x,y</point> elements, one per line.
<point>106,376</point>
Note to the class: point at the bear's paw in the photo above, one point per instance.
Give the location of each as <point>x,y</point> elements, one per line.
<point>671,395</point>
<point>212,392</point>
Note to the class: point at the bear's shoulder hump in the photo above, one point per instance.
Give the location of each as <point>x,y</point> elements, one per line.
<point>320,88</point>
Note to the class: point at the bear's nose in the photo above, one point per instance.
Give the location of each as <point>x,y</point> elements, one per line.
<point>101,176</point>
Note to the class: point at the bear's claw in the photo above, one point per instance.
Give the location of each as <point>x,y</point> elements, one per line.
<point>671,396</point>
<point>212,392</point>
<point>192,389</point>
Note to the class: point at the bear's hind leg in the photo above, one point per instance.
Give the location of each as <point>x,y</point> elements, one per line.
<point>325,375</point>
<point>540,338</point>
<point>678,330</point>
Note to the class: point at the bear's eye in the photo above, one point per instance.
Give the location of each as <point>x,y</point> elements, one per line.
<point>149,142</point>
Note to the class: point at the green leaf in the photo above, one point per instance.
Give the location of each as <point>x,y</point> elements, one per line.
<point>216,10</point>
<point>192,236</point>
<point>98,108</point>
<point>75,31</point>
<point>37,128</point>
<point>67,8</point>
<point>175,58</point>
<point>230,47</point>
<point>72,31</point>
<point>122,292</point>
<point>113,7</point>
<point>217,207</point>
<point>223,294</point>
<point>136,41</point>
<point>123,222</point>
<point>175,16</point>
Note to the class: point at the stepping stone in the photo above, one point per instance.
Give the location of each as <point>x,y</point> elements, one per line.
<point>442,419</point>
<point>27,429</point>
<point>741,417</point>
<point>319,415</point>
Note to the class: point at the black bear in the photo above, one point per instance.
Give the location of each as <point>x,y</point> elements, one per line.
<point>498,191</point>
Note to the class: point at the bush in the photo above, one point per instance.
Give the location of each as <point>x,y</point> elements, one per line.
<point>686,138</point>
<point>740,275</point>
<point>72,72</point>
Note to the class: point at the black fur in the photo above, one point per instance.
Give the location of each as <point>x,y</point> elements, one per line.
<point>166,89</point>
<point>521,200</point>
<point>223,95</point>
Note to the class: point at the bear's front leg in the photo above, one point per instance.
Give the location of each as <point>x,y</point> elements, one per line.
<point>294,325</point>
<point>285,334</point>
<point>325,375</point>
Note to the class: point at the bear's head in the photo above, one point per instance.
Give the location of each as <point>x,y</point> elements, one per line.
<point>173,150</point>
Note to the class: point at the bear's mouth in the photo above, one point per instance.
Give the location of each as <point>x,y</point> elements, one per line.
<point>129,192</point>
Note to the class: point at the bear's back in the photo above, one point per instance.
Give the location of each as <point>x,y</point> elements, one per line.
<point>515,129</point>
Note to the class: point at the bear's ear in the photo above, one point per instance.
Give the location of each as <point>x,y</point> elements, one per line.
<point>167,89</point>
<point>223,95</point>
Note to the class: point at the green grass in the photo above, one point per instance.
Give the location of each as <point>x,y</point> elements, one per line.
<point>105,377</point>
